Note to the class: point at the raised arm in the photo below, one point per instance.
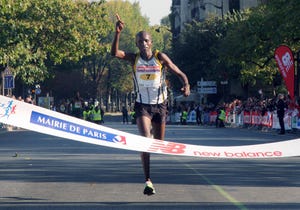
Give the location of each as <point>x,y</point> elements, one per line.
<point>115,51</point>
<point>165,60</point>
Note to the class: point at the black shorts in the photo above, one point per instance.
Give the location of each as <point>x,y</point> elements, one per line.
<point>156,112</point>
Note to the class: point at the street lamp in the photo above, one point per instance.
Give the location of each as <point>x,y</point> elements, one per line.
<point>158,30</point>
<point>216,6</point>
<point>167,35</point>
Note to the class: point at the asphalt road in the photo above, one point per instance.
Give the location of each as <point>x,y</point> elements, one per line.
<point>43,172</point>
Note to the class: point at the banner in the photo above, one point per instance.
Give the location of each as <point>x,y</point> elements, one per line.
<point>285,61</point>
<point>38,119</point>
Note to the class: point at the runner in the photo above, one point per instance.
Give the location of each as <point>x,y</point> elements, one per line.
<point>151,89</point>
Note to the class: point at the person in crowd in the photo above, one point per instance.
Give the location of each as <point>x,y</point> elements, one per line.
<point>125,115</point>
<point>184,116</point>
<point>20,98</point>
<point>221,116</point>
<point>77,105</point>
<point>133,117</point>
<point>281,106</point>
<point>86,113</point>
<point>96,113</point>
<point>62,108</point>
<point>151,89</point>
<point>102,114</point>
<point>199,111</point>
<point>91,111</point>
<point>28,99</point>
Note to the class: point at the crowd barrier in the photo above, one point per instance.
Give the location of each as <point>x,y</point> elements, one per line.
<point>245,119</point>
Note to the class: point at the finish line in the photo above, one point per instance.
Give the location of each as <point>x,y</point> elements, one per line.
<point>38,119</point>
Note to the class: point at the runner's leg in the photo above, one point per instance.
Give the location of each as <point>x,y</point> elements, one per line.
<point>144,126</point>
<point>159,130</point>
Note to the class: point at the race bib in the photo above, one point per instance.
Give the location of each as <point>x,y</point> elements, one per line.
<point>149,79</point>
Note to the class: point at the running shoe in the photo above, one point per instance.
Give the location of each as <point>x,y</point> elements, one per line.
<point>149,189</point>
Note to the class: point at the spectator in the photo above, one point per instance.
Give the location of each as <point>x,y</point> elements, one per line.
<point>125,115</point>
<point>281,106</point>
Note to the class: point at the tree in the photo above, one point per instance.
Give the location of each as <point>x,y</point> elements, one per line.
<point>118,77</point>
<point>37,34</point>
<point>253,36</point>
<point>241,46</point>
<point>41,39</point>
<point>165,21</point>
<point>192,50</point>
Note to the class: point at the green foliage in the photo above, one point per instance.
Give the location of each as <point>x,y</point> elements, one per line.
<point>120,76</point>
<point>253,35</point>
<point>40,38</point>
<point>193,50</point>
<point>133,19</point>
<point>242,46</point>
<point>165,21</point>
<point>35,32</point>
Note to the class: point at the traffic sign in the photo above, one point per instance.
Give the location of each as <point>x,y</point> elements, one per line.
<point>38,91</point>
<point>206,83</point>
<point>9,81</point>
<point>207,90</point>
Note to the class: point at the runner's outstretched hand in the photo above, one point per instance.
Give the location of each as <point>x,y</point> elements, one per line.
<point>119,24</point>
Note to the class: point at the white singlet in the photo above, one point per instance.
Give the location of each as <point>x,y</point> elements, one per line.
<point>149,80</point>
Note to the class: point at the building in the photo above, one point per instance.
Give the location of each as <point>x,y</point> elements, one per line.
<point>184,11</point>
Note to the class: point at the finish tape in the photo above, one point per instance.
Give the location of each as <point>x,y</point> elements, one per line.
<point>38,119</point>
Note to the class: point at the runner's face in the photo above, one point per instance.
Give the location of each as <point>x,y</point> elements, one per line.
<point>144,42</point>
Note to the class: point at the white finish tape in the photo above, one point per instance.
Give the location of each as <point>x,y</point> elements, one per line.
<point>38,119</point>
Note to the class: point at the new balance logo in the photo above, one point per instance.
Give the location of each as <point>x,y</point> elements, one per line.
<point>167,147</point>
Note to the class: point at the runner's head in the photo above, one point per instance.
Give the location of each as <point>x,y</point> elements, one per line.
<point>143,41</point>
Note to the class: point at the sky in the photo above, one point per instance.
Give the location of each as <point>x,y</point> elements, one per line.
<point>155,10</point>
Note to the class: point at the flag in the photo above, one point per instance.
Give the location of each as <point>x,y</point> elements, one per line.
<point>285,61</point>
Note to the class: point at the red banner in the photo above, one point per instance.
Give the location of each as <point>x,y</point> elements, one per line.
<point>285,61</point>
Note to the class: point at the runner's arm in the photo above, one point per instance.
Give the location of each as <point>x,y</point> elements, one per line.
<point>165,60</point>
<point>115,51</point>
